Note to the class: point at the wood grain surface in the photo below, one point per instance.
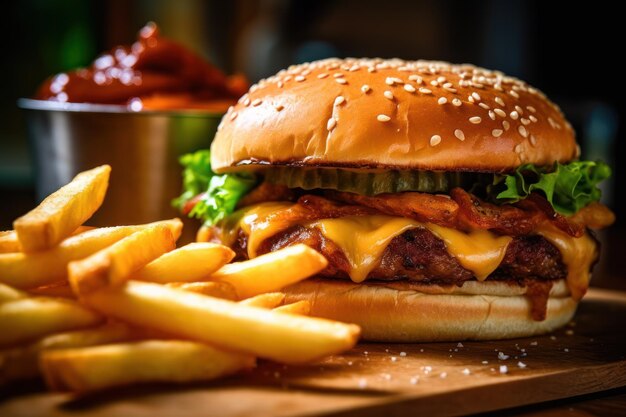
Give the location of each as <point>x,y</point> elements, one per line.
<point>400,379</point>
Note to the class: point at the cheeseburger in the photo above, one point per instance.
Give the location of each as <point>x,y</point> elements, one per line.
<point>448,199</point>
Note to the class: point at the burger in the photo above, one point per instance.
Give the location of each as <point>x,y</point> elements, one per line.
<point>448,199</point>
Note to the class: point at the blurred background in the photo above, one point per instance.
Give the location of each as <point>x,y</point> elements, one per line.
<point>569,51</point>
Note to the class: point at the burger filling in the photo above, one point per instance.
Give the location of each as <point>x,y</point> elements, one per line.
<point>530,228</point>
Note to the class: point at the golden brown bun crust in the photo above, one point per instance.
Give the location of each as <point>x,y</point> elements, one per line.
<point>309,115</point>
<point>391,313</point>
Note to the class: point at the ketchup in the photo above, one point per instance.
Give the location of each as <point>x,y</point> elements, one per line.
<point>152,73</point>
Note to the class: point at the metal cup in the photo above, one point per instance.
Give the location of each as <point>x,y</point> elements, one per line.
<point>142,148</point>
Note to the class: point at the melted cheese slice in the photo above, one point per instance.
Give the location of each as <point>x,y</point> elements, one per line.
<point>479,251</point>
<point>578,255</point>
<point>363,239</point>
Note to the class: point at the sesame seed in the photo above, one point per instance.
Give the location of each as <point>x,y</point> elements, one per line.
<point>518,148</point>
<point>434,83</point>
<point>388,94</point>
<point>533,140</point>
<point>458,133</point>
<point>338,75</point>
<point>233,116</point>
<point>514,115</point>
<point>287,78</point>
<point>476,120</point>
<point>531,109</point>
<point>279,107</point>
<point>525,121</point>
<point>355,67</point>
<point>365,88</point>
<point>416,78</point>
<point>339,100</point>
<point>470,99</point>
<point>246,102</point>
<point>341,80</point>
<point>442,100</point>
<point>435,140</point>
<point>456,102</point>
<point>492,115</point>
<point>506,125</point>
<point>322,75</point>
<point>299,78</point>
<point>496,133</point>
<point>500,112</point>
<point>330,125</point>
<point>522,131</point>
<point>476,96</point>
<point>447,85</point>
<point>389,81</point>
<point>409,88</point>
<point>383,118</point>
<point>441,79</point>
<point>500,101</point>
<point>425,90</point>
<point>514,93</point>
<point>484,106</point>
<point>371,69</point>
<point>280,84</point>
<point>256,102</point>
<point>532,118</point>
<point>519,109</point>
<point>397,80</point>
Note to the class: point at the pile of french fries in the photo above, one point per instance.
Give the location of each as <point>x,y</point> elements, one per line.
<point>92,308</point>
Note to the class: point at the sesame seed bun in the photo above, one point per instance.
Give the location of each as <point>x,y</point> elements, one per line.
<point>404,312</point>
<point>381,114</point>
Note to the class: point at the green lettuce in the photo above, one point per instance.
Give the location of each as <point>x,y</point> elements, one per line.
<point>568,187</point>
<point>219,193</point>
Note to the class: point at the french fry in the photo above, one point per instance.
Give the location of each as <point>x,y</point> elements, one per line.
<point>25,271</point>
<point>60,289</point>
<point>267,300</point>
<point>9,242</point>
<point>114,264</point>
<point>23,362</point>
<point>26,319</point>
<point>284,338</point>
<point>98,367</point>
<point>63,211</point>
<point>9,293</point>
<point>189,263</point>
<point>302,307</point>
<point>272,271</point>
<point>213,289</point>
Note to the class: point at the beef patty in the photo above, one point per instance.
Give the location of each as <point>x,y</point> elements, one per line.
<point>419,255</point>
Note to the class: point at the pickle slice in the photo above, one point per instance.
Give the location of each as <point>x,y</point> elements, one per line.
<point>372,183</point>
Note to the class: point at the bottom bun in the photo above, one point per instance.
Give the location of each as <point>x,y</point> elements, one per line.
<point>405,312</point>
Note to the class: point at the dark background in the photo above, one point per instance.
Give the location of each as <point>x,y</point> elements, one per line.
<point>569,51</point>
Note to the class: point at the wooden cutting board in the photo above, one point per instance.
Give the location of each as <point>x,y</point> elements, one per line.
<point>430,379</point>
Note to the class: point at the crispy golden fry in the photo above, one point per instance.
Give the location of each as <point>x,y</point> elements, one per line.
<point>302,307</point>
<point>63,211</point>
<point>282,337</point>
<point>272,271</point>
<point>114,264</point>
<point>99,367</point>
<point>23,362</point>
<point>9,293</point>
<point>213,289</point>
<point>189,263</point>
<point>267,300</point>
<point>9,242</point>
<point>60,289</point>
<point>24,271</point>
<point>26,319</point>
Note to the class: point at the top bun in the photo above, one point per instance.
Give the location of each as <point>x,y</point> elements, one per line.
<point>392,114</point>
